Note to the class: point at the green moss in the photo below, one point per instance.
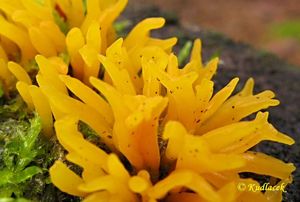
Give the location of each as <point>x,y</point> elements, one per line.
<point>13,200</point>
<point>25,154</point>
<point>19,150</point>
<point>12,108</point>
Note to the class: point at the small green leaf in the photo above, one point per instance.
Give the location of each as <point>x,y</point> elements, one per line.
<point>7,190</point>
<point>27,152</point>
<point>6,176</point>
<point>25,159</point>
<point>84,6</point>
<point>121,26</point>
<point>63,25</point>
<point>14,200</point>
<point>184,52</point>
<point>26,174</point>
<point>215,54</point>
<point>65,57</point>
<point>34,131</point>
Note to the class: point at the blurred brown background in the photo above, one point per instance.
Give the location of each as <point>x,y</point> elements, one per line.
<point>273,25</point>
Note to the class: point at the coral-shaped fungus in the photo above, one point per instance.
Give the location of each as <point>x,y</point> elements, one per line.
<point>167,135</point>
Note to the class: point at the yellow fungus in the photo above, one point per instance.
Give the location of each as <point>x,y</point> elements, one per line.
<point>39,10</point>
<point>23,90</point>
<point>73,11</point>
<point>184,178</point>
<point>89,96</point>
<point>93,14</point>
<point>70,182</point>
<point>19,72</point>
<point>19,36</point>
<point>3,54</point>
<point>141,32</point>
<point>25,18</point>
<point>75,41</point>
<point>50,72</point>
<point>41,43</point>
<point>54,35</point>
<point>120,77</point>
<point>42,107</point>
<point>165,135</point>
<point>6,78</point>
<point>60,65</point>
